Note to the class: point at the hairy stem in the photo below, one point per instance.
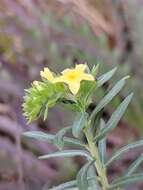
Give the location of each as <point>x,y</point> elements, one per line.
<point>101,170</point>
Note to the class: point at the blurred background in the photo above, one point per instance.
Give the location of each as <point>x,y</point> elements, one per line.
<point>58,33</point>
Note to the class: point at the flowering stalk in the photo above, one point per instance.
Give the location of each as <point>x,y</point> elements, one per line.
<point>75,88</point>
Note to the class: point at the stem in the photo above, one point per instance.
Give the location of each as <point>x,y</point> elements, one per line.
<point>101,170</point>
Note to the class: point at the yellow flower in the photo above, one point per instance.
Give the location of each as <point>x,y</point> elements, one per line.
<point>47,74</point>
<point>73,77</point>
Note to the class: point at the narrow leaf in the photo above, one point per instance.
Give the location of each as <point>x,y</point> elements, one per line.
<point>105,77</point>
<point>94,70</point>
<point>65,186</point>
<point>134,165</point>
<point>59,137</point>
<point>102,143</point>
<point>49,138</point>
<point>79,124</point>
<point>46,112</point>
<point>124,150</point>
<point>82,181</point>
<point>126,180</point>
<point>92,182</point>
<point>67,153</point>
<point>107,98</point>
<point>39,135</point>
<point>115,118</point>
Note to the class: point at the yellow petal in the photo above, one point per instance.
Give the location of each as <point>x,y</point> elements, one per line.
<point>66,71</point>
<point>73,77</point>
<point>74,87</point>
<point>87,77</point>
<point>81,67</point>
<point>47,74</point>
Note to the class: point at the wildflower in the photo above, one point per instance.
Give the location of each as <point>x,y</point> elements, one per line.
<point>73,77</point>
<point>47,74</point>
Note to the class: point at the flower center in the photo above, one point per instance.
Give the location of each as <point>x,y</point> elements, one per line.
<point>73,76</point>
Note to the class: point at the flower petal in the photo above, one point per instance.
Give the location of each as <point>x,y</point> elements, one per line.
<point>87,77</point>
<point>47,74</point>
<point>73,77</point>
<point>81,67</point>
<point>74,87</point>
<point>66,71</point>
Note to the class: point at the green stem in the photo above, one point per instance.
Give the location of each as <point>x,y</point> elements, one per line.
<point>101,170</point>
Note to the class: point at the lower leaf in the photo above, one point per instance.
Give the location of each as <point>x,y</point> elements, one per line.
<point>68,153</point>
<point>65,186</point>
<point>126,180</point>
<point>82,181</point>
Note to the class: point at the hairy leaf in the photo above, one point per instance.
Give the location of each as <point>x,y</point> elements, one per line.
<point>65,186</point>
<point>105,77</point>
<point>134,165</point>
<point>59,137</point>
<point>68,153</point>
<point>82,181</point>
<point>93,184</point>
<point>46,112</point>
<point>124,150</point>
<point>126,180</point>
<point>102,143</point>
<point>49,138</point>
<point>79,124</point>
<point>115,118</point>
<point>107,98</point>
<point>94,70</point>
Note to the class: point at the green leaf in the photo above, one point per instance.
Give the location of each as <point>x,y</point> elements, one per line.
<point>71,185</point>
<point>120,182</point>
<point>92,182</point>
<point>95,123</point>
<point>134,165</point>
<point>86,89</point>
<point>69,104</point>
<point>68,153</point>
<point>105,77</point>
<point>38,135</point>
<point>115,118</point>
<point>46,112</point>
<point>59,88</point>
<point>65,186</point>
<point>107,98</point>
<point>124,150</point>
<point>59,137</point>
<point>79,124</point>
<point>94,70</point>
<point>82,181</point>
<point>102,143</point>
